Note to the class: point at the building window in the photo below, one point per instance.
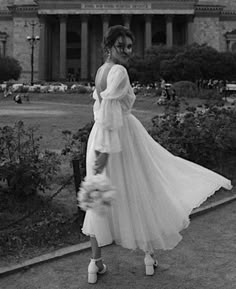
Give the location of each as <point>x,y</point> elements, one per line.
<point>231,40</point>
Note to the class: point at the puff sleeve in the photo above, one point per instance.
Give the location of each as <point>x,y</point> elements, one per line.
<point>109,117</point>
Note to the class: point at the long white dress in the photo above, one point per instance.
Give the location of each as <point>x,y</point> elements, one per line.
<point>156,191</point>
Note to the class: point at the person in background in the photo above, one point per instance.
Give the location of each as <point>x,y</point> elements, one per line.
<point>7,91</point>
<point>17,98</point>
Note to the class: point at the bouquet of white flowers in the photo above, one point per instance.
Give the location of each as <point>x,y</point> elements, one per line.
<point>97,193</point>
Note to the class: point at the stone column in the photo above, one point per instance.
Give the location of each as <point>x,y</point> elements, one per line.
<point>42,49</point>
<point>169,30</point>
<point>93,51</point>
<point>148,31</point>
<point>139,36</point>
<point>55,42</point>
<point>127,19</point>
<point>84,47</point>
<point>105,24</point>
<point>48,50</point>
<point>190,29</point>
<point>63,46</point>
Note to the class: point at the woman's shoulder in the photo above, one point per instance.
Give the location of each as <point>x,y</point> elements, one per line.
<point>109,72</point>
<point>111,67</point>
<point>118,71</point>
<point>118,67</point>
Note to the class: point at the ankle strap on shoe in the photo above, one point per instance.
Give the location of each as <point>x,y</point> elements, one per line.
<point>96,260</point>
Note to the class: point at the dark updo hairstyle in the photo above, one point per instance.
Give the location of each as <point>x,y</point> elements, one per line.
<point>113,33</point>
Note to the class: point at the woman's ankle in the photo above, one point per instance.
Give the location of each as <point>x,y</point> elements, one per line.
<point>99,264</point>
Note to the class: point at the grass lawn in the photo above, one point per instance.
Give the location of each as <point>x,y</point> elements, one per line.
<point>55,224</point>
<point>54,113</point>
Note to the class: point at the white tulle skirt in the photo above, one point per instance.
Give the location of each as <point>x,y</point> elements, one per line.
<point>156,192</point>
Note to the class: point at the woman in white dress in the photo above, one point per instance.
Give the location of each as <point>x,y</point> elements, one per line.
<point>156,191</point>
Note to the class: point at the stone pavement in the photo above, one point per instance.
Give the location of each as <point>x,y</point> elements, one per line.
<point>204,259</point>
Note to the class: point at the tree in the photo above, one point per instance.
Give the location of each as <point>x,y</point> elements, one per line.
<point>163,52</point>
<point>139,70</point>
<point>191,63</point>
<point>180,68</point>
<point>206,57</point>
<point>147,69</point>
<point>155,55</point>
<point>227,66</point>
<point>199,61</point>
<point>9,68</point>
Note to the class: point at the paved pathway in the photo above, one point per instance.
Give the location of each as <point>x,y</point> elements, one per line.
<point>205,259</point>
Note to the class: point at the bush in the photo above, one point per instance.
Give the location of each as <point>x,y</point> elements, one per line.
<point>82,89</point>
<point>200,135</point>
<point>212,97</point>
<point>76,145</point>
<point>25,168</point>
<point>186,89</point>
<point>9,69</point>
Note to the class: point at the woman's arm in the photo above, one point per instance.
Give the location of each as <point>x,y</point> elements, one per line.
<point>109,116</point>
<point>101,161</point>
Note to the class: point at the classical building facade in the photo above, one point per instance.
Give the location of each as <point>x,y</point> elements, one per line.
<point>71,31</point>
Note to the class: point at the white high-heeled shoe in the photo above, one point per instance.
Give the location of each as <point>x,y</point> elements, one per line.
<point>150,264</point>
<point>93,270</point>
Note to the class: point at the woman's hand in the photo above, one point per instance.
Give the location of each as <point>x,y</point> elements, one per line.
<point>101,161</point>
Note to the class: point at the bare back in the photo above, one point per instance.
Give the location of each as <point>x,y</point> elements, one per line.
<point>101,78</point>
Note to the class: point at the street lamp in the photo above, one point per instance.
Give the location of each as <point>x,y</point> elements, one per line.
<point>32,39</point>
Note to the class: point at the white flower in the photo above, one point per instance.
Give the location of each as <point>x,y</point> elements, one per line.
<point>109,196</point>
<point>88,186</point>
<point>102,182</point>
<point>97,193</point>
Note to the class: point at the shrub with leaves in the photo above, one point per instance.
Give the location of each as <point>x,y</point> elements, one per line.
<point>186,89</point>
<point>9,68</point>
<point>202,135</point>
<point>76,144</point>
<point>22,164</point>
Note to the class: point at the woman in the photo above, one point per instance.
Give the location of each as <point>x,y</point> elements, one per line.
<point>156,191</point>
